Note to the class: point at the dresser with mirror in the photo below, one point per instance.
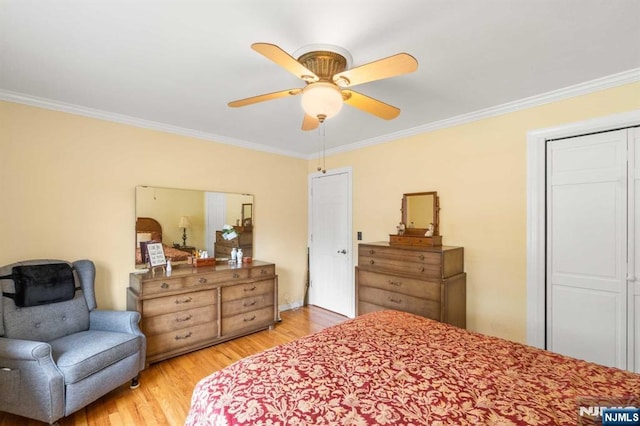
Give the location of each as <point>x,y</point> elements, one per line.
<point>189,306</point>
<point>413,271</point>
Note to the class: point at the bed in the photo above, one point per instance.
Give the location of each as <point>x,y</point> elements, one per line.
<point>150,230</point>
<point>390,367</point>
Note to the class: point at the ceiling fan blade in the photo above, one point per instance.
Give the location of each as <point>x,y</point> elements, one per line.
<point>286,61</point>
<point>370,105</point>
<point>265,97</point>
<point>399,64</point>
<point>310,123</point>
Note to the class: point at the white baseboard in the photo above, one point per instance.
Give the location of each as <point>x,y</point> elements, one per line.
<point>290,306</point>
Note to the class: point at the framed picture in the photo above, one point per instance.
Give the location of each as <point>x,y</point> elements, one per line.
<point>155,254</point>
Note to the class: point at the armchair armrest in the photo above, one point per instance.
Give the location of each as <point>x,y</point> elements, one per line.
<point>31,384</point>
<point>120,321</point>
<point>24,350</point>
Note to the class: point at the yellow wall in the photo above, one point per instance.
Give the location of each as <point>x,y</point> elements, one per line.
<point>234,208</point>
<point>479,171</point>
<point>167,206</point>
<point>67,191</point>
<point>67,186</point>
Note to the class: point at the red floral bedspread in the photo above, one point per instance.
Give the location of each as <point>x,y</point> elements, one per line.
<point>389,368</point>
<point>172,253</point>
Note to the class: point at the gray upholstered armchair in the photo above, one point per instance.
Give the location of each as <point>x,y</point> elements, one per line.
<point>56,358</point>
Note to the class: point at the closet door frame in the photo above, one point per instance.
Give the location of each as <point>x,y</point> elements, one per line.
<point>536,211</point>
<point>633,251</point>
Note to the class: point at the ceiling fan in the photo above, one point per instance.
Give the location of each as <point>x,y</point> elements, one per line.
<point>324,69</point>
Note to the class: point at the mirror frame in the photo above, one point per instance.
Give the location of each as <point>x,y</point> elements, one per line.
<point>436,213</point>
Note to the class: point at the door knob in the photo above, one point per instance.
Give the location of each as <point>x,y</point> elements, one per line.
<point>343,251</point>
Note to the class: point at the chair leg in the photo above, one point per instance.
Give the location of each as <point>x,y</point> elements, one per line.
<point>135,382</point>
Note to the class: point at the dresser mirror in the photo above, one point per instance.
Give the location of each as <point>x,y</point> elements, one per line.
<point>185,220</point>
<point>419,210</point>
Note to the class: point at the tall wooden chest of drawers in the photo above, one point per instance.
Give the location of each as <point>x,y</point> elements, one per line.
<point>197,307</point>
<point>427,281</point>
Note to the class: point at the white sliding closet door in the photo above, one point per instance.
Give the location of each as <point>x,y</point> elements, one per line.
<point>587,300</point>
<point>634,251</point>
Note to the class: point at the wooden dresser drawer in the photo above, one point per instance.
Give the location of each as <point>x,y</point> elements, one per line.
<point>262,271</point>
<point>428,270</point>
<point>247,321</point>
<point>179,302</point>
<point>167,342</point>
<point>401,302</point>
<point>400,284</point>
<point>223,251</point>
<point>436,262</point>
<point>165,285</point>
<point>217,277</point>
<point>246,290</point>
<point>393,254</point>
<point>176,320</point>
<point>233,307</point>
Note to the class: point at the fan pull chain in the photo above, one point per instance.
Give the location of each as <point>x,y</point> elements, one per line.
<point>323,140</point>
<point>319,168</point>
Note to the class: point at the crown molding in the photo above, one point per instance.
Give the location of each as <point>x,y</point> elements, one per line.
<point>619,79</point>
<point>614,80</point>
<point>21,98</point>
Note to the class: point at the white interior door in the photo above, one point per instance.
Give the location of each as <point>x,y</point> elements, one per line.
<point>586,247</point>
<point>330,258</point>
<point>215,210</point>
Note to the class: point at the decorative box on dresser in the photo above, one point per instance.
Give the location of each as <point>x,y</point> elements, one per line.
<point>197,307</point>
<point>425,280</point>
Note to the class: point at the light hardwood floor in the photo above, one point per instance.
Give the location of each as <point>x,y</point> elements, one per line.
<point>164,394</point>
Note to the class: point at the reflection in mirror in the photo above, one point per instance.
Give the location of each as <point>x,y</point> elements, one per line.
<point>185,220</point>
<point>247,214</point>
<point>419,210</point>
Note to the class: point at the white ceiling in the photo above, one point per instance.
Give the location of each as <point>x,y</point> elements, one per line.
<point>174,65</point>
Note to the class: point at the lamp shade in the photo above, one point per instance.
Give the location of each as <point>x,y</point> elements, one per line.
<point>321,99</point>
<point>184,222</point>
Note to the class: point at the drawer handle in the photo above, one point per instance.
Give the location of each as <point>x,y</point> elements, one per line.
<point>395,283</point>
<point>183,319</point>
<point>396,301</point>
<point>184,336</point>
<point>372,251</point>
<point>372,261</point>
<point>246,305</point>
<point>249,319</point>
<point>263,272</point>
<point>422,269</point>
<point>202,280</point>
<point>421,257</point>
<point>180,301</point>
<point>250,289</point>
<point>164,285</point>
<point>236,275</point>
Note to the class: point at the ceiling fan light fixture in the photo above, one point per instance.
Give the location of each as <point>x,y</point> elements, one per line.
<point>321,99</point>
